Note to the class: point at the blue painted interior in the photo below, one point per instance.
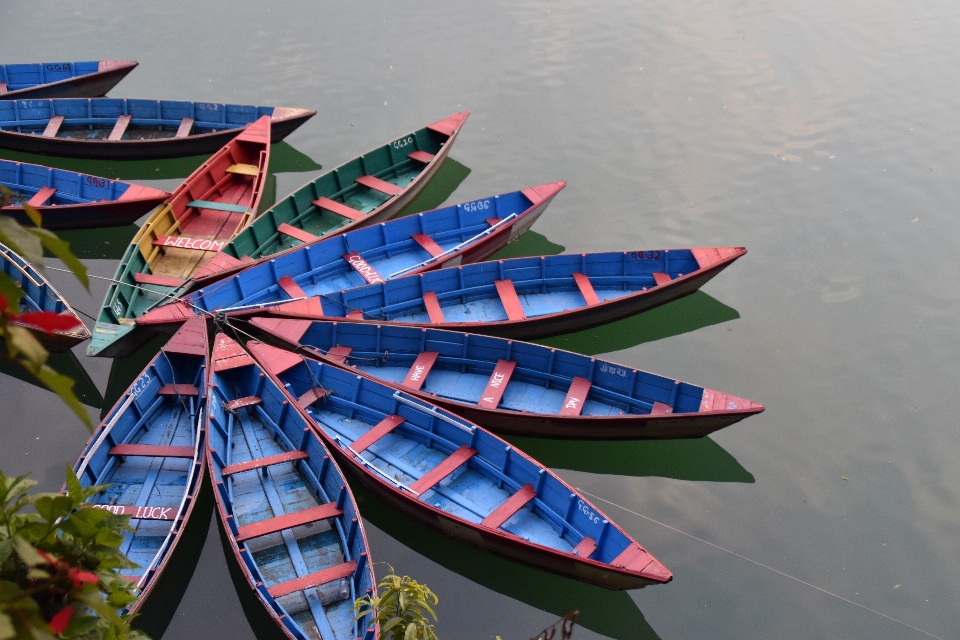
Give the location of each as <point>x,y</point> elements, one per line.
<point>39,295</point>
<point>26,75</point>
<point>94,118</point>
<point>269,429</point>
<point>556,517</point>
<point>25,180</point>
<point>387,247</point>
<point>539,383</point>
<point>143,417</point>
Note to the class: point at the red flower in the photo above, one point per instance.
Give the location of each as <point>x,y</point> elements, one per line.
<point>46,321</point>
<point>58,623</point>
<point>81,578</point>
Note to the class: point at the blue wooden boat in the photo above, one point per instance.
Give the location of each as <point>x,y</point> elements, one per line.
<point>290,517</point>
<point>127,129</point>
<point>522,297</point>
<point>87,79</point>
<point>455,476</point>
<point>150,450</point>
<point>39,295</point>
<point>72,200</point>
<point>462,233</point>
<point>539,391</point>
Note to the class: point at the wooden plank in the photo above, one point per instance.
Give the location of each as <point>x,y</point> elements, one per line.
<point>433,307</point>
<point>510,506</point>
<point>338,208</point>
<point>297,234</point>
<point>291,288</point>
<point>497,384</point>
<point>240,403</point>
<point>381,429</point>
<point>137,513</point>
<point>419,370</point>
<point>243,169</point>
<point>259,463</point>
<point>379,185</point>
<point>362,267</point>
<point>194,244</point>
<point>288,521</point>
<point>494,221</point>
<point>41,197</point>
<point>3,87</point>
<point>356,314</point>
<point>586,547</point>
<point>510,300</point>
<point>160,281</point>
<point>422,156</point>
<point>120,127</point>
<point>586,289</point>
<point>661,409</point>
<point>576,397</point>
<point>227,354</point>
<point>312,396</point>
<point>178,390</point>
<point>217,206</point>
<point>53,127</point>
<point>186,126</point>
<point>339,354</point>
<point>315,579</point>
<point>445,468</point>
<point>633,558</point>
<point>661,278</point>
<point>428,244</point>
<point>152,450</point>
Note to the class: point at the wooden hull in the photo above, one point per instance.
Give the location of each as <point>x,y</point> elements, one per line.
<point>91,85</point>
<point>95,215</point>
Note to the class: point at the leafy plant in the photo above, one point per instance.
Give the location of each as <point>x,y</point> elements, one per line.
<point>401,608</point>
<point>59,566</point>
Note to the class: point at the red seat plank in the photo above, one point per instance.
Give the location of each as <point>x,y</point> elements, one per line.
<point>240,403</point>
<point>576,396</point>
<point>445,468</point>
<point>497,384</point>
<point>186,126</point>
<point>297,234</point>
<point>41,197</point>
<point>312,396</point>
<point>183,242</point>
<point>137,513</point>
<point>339,354</point>
<point>53,127</point>
<point>338,208</point>
<point>433,307</point>
<point>494,221</point>
<point>510,506</point>
<point>362,267</point>
<point>586,547</point>
<point>661,278</point>
<point>428,244</point>
<point>291,288</point>
<point>419,370</point>
<point>227,354</point>
<point>356,314</point>
<point>381,429</point>
<point>313,580</point>
<point>288,521</point>
<point>586,289</point>
<point>160,281</point>
<point>379,185</point>
<point>422,156</point>
<point>633,557</point>
<point>509,300</point>
<point>259,463</point>
<point>3,87</point>
<point>220,262</point>
<point>120,128</point>
<point>661,409</point>
<point>152,450</point>
<point>178,390</point>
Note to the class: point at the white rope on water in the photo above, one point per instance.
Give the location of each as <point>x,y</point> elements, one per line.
<point>760,564</point>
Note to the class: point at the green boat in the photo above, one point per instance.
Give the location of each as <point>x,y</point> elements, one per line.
<point>366,190</point>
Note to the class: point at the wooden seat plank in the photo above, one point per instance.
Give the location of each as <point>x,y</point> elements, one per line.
<point>497,384</point>
<point>633,557</point>
<point>259,463</point>
<point>312,580</point>
<point>312,396</point>
<point>422,156</point>
<point>586,289</point>
<point>661,409</point>
<point>240,403</point>
<point>178,390</point>
<point>338,353</point>
<point>3,87</point>
<point>576,397</point>
<point>427,243</point>
<point>361,266</point>
<point>433,307</point>
<point>288,521</point>
<point>419,370</point>
<point>145,512</point>
<point>510,300</point>
<point>291,288</point>
<point>379,185</point>
<point>186,126</point>
<point>356,314</point>
<point>53,127</point>
<point>661,278</point>
<point>296,234</point>
<point>41,197</point>
<point>152,450</point>
<point>494,221</point>
<point>194,244</point>
<point>509,507</point>
<point>217,206</point>
<point>243,169</point>
<point>586,547</point>
<point>339,208</point>
<point>120,127</point>
<point>379,430</point>
<point>445,468</point>
<point>160,281</point>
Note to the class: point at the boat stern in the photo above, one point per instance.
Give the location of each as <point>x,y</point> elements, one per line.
<point>109,340</point>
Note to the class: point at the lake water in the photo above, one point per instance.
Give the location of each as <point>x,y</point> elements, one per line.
<point>820,135</point>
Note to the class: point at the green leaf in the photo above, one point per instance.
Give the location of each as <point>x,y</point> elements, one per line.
<point>33,214</point>
<point>411,632</point>
<point>63,386</point>
<point>7,629</point>
<point>81,626</point>
<point>61,249</point>
<point>22,345</point>
<point>74,488</point>
<point>21,240</point>
<point>53,508</point>
<point>27,553</point>
<point>10,291</point>
<point>390,624</point>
